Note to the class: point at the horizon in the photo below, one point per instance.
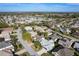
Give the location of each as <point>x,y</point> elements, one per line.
<point>39,7</point>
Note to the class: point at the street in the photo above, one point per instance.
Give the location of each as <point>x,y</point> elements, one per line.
<point>25,44</point>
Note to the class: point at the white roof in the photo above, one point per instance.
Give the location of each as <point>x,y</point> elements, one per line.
<point>28,28</point>
<point>48,45</point>
<point>76,45</point>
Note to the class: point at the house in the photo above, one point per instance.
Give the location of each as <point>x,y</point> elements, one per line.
<point>5,45</point>
<point>28,28</point>
<point>33,34</point>
<point>65,52</point>
<point>54,37</point>
<point>76,45</point>
<point>40,29</point>
<point>5,39</point>
<point>47,44</point>
<point>64,29</point>
<point>75,31</point>
<point>76,24</point>
<point>6,53</point>
<point>65,42</point>
<point>5,33</point>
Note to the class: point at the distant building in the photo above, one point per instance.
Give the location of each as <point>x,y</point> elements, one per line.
<point>28,28</point>
<point>76,24</point>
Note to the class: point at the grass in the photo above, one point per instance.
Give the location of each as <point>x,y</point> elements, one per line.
<point>27,36</point>
<point>3,25</point>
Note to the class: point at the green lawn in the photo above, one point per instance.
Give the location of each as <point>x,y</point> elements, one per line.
<point>27,36</point>
<point>3,25</point>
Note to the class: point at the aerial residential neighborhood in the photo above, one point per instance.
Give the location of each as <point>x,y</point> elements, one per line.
<point>39,29</point>
<point>39,34</point>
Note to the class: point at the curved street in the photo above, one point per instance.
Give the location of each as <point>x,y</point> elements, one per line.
<point>25,44</point>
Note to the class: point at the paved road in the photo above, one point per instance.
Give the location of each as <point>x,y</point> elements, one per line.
<point>66,36</point>
<point>25,44</point>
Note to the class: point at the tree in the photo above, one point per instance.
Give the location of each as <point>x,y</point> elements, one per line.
<point>37,45</point>
<point>14,42</point>
<point>45,34</point>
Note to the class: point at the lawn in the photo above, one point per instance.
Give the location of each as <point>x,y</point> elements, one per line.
<point>27,36</point>
<point>3,25</point>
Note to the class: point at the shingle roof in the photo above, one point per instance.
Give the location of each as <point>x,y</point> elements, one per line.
<point>65,52</point>
<point>4,44</point>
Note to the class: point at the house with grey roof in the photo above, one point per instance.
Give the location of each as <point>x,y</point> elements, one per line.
<point>76,45</point>
<point>65,42</point>
<point>5,45</point>
<point>5,39</point>
<point>65,52</point>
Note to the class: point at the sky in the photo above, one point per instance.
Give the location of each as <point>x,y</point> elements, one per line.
<point>39,7</point>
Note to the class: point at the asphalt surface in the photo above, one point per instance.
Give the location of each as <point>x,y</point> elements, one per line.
<point>66,36</point>
<point>25,44</point>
